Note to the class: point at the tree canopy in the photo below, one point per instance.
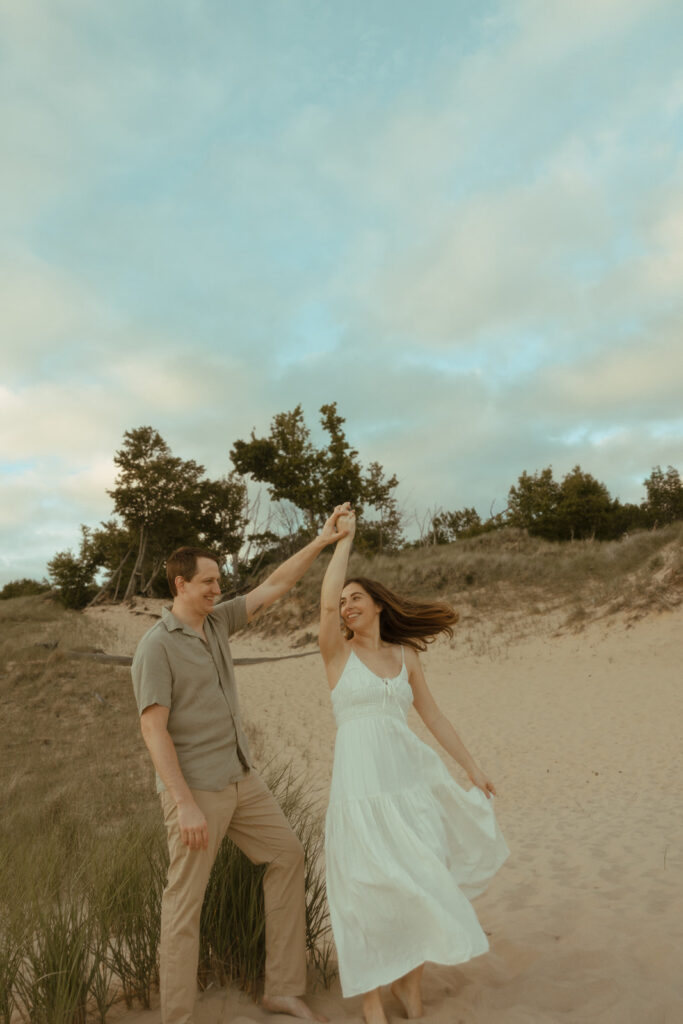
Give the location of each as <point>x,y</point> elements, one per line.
<point>161,501</point>
<point>664,496</point>
<point>315,479</point>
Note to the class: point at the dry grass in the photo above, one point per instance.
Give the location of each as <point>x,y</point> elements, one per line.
<point>509,575</point>
<point>65,721</point>
<point>76,778</point>
<point>82,849</point>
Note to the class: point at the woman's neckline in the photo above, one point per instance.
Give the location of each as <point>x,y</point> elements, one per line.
<point>389,679</point>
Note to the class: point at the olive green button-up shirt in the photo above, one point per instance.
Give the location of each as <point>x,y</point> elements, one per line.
<point>173,666</point>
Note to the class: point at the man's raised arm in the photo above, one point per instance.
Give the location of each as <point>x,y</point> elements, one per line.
<point>282,579</point>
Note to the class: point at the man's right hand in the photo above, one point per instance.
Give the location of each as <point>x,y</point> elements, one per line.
<point>194,831</point>
<point>337,526</point>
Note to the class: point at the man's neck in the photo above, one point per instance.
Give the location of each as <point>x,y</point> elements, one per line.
<point>188,616</point>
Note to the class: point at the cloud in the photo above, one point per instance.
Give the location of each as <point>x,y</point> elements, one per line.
<point>464,224</point>
<point>639,380</point>
<point>43,505</point>
<point>44,309</point>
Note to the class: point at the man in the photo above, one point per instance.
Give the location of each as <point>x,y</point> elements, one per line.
<point>184,685</point>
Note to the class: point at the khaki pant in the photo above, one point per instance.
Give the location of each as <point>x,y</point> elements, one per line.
<point>251,817</point>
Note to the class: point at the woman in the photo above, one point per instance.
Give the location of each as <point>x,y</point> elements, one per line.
<point>405,846</point>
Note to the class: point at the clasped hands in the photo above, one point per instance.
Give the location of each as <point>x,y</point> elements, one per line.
<point>342,523</point>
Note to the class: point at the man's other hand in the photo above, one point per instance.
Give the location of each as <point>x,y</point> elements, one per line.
<point>194,831</point>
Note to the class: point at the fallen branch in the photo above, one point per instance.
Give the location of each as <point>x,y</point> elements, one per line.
<point>107,659</point>
<point>127,659</point>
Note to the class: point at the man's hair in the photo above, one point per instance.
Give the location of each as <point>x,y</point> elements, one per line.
<point>183,562</point>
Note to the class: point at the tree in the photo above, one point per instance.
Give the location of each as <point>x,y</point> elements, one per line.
<point>73,576</point>
<point>626,518</point>
<point>533,503</point>
<point>226,516</point>
<point>165,502</point>
<point>664,502</point>
<point>286,461</point>
<point>153,492</point>
<point>341,472</point>
<point>450,526</point>
<point>584,507</point>
<point>314,480</point>
<point>23,588</point>
<point>383,532</point>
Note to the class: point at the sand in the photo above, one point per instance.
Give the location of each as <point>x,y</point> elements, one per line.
<point>580,731</point>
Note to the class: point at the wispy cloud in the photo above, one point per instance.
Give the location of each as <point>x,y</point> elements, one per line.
<point>462,222</point>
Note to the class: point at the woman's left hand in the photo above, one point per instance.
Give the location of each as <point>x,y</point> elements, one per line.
<point>485,785</point>
<point>339,524</point>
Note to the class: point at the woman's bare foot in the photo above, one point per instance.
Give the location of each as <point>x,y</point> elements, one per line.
<point>407,991</point>
<point>292,1005</point>
<point>373,1012</point>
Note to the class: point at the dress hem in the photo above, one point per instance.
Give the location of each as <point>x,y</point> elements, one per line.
<point>411,963</point>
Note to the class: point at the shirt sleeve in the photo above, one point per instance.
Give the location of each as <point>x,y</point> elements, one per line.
<point>151,672</point>
<point>231,614</point>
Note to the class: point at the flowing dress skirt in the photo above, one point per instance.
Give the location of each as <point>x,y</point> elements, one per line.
<point>406,847</point>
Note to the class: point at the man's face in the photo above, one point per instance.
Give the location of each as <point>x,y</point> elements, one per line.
<point>201,591</point>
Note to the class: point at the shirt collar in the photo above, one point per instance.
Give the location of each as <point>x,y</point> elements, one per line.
<point>172,623</point>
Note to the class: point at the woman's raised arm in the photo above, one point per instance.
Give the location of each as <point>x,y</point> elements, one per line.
<point>331,640</point>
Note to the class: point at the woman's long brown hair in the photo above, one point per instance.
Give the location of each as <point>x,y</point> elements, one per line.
<point>401,621</point>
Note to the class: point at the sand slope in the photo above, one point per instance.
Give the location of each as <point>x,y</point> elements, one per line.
<point>582,734</point>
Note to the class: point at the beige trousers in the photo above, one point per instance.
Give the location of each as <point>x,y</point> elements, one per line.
<point>252,818</point>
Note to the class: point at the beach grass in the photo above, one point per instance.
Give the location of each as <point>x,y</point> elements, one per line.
<point>82,848</point>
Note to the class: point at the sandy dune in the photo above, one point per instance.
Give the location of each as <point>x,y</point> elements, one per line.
<point>581,733</point>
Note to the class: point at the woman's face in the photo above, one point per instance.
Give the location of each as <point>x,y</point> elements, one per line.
<point>357,609</point>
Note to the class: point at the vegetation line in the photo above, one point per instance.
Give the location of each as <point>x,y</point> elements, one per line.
<point>161,502</point>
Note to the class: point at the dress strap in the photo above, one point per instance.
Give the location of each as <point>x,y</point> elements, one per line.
<point>403,656</point>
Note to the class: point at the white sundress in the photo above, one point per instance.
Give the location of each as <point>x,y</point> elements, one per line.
<point>406,847</point>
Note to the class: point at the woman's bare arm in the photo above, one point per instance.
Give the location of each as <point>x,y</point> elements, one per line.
<point>332,643</point>
<point>440,727</point>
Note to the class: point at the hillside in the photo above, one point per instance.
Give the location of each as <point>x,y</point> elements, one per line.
<point>564,677</point>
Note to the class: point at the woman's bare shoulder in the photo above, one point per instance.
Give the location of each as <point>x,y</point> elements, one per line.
<point>411,655</point>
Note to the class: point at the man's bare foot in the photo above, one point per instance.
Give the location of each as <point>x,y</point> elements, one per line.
<point>407,991</point>
<point>292,1005</point>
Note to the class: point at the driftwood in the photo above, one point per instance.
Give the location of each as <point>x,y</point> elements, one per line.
<point>282,657</point>
<point>106,659</point>
<point>127,659</point>
<point>107,586</point>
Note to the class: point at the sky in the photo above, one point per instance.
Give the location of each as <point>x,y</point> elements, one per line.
<point>461,221</point>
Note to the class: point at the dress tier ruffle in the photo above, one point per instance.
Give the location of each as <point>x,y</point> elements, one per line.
<point>406,847</point>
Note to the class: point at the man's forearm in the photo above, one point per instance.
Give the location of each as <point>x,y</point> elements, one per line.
<point>282,579</point>
<point>165,759</point>
<point>291,571</point>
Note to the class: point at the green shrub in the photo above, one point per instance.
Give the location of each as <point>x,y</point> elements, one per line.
<point>73,578</point>
<point>23,588</point>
